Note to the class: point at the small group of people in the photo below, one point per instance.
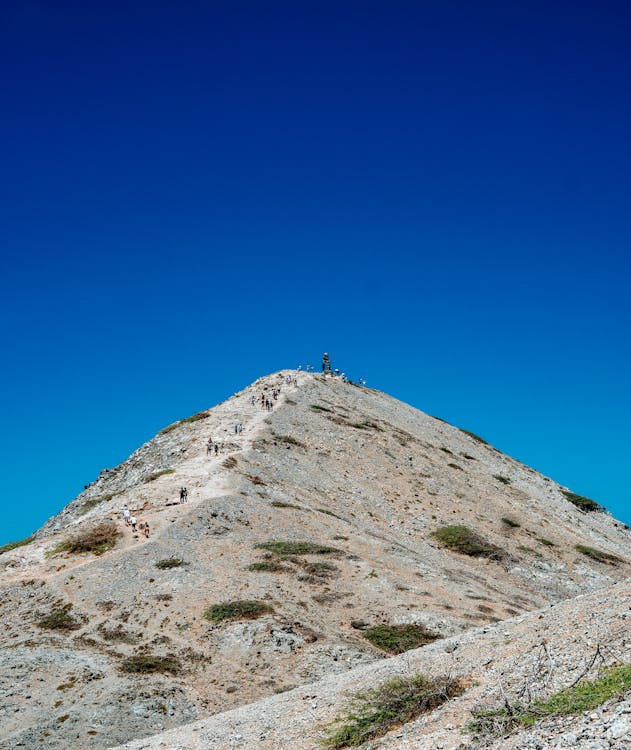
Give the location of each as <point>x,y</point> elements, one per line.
<point>267,400</point>
<point>213,447</point>
<point>183,494</point>
<point>133,522</point>
<point>238,429</point>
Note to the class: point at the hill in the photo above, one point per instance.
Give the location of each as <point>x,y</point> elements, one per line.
<point>338,527</point>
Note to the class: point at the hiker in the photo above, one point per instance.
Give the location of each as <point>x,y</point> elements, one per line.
<point>183,494</point>
<point>209,446</point>
<point>146,529</point>
<point>216,449</point>
<point>133,521</point>
<point>126,515</point>
<point>236,429</point>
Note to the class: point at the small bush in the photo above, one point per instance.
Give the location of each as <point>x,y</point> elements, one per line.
<point>585,696</point>
<point>187,420</point>
<point>289,440</point>
<point>96,539</point>
<point>317,407</point>
<point>281,504</point>
<point>464,540</point>
<point>319,570</point>
<point>455,466</point>
<point>399,638</point>
<point>283,549</point>
<point>14,545</point>
<point>92,502</point>
<point>329,513</point>
<point>170,562</point>
<point>500,478</point>
<point>268,566</point>
<point>229,463</point>
<point>598,555</point>
<point>511,522</point>
<point>158,474</point>
<point>477,438</point>
<point>149,664</point>
<point>59,619</point>
<point>366,424</point>
<point>373,713</point>
<point>238,610</point>
<point>582,503</point>
<point>545,542</point>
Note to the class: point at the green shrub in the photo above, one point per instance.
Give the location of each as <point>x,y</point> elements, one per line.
<point>238,610</point>
<point>170,562</point>
<point>158,474</point>
<point>373,713</point>
<point>366,424</point>
<point>399,638</point>
<point>14,545</point>
<point>150,664</point>
<point>283,549</point>
<point>466,541</point>
<point>598,555</point>
<point>96,539</point>
<point>268,566</point>
<point>511,522</point>
<point>545,542</point>
<point>59,618</point>
<point>317,407</point>
<point>585,696</point>
<point>281,504</point>
<point>500,478</point>
<point>319,570</point>
<point>582,503</point>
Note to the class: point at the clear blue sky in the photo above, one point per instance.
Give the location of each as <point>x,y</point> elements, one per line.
<point>195,194</point>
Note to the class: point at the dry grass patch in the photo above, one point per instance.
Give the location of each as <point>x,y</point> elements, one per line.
<point>598,555</point>
<point>14,545</point>
<point>286,549</point>
<point>170,562</point>
<point>150,664</point>
<point>60,619</point>
<point>237,610</point>
<point>96,539</point>
<point>582,503</point>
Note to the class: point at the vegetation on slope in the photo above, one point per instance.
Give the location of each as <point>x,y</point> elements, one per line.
<point>466,541</point>
<point>399,638</point>
<point>585,696</point>
<point>582,503</point>
<point>373,713</point>
<point>96,539</point>
<point>237,610</point>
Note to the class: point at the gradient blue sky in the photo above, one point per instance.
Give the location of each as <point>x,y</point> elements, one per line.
<point>195,194</point>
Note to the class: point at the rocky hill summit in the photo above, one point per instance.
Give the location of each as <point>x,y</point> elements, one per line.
<point>326,526</point>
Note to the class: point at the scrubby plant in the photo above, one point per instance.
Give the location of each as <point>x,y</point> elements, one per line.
<point>373,713</point>
<point>229,463</point>
<point>582,503</point>
<point>285,549</point>
<point>584,696</point>
<point>92,502</point>
<point>500,478</point>
<point>170,562</point>
<point>318,571</point>
<point>96,539</point>
<point>477,438</point>
<point>317,407</point>
<point>545,542</point>
<point>187,420</point>
<point>510,522</point>
<point>59,618</point>
<point>281,504</point>
<point>237,610</point>
<point>290,440</point>
<point>466,541</point>
<point>598,555</point>
<point>268,566</point>
<point>158,474</point>
<point>151,664</point>
<point>399,638</point>
<point>14,545</point>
